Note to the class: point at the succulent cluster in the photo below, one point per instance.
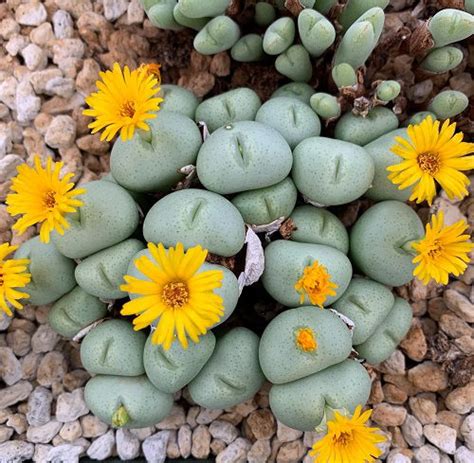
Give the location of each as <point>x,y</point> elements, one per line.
<point>207,197</point>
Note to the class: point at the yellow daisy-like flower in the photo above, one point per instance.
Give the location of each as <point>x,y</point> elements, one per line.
<point>432,154</point>
<point>41,196</point>
<point>443,251</point>
<point>174,293</point>
<point>316,283</point>
<point>305,339</point>
<point>124,102</point>
<point>12,276</point>
<point>152,69</point>
<point>348,440</point>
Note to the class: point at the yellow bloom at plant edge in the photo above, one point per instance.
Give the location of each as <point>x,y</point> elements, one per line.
<point>432,154</point>
<point>12,276</point>
<point>348,440</point>
<point>443,251</point>
<point>175,294</point>
<point>152,69</point>
<point>41,196</point>
<point>124,102</point>
<point>316,284</point>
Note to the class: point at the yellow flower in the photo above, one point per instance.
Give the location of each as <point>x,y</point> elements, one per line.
<point>152,69</point>
<point>316,283</point>
<point>174,293</point>
<point>432,154</point>
<point>348,440</point>
<point>40,196</point>
<point>305,339</point>
<point>12,275</point>
<point>442,251</point>
<point>124,102</point>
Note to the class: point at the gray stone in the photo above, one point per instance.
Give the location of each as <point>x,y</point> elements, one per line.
<point>201,442</point>
<point>395,457</point>
<point>44,339</point>
<point>10,366</point>
<point>8,27</point>
<point>16,451</point>
<point>35,57</point>
<point>260,451</point>
<point>71,431</point>
<point>30,14</point>
<point>16,44</point>
<point>62,25</point>
<point>51,368</point>
<point>463,455</point>
<point>39,406</point>
<point>286,434</point>
<point>174,420</point>
<point>113,9</point>
<point>5,321</point>
<point>28,105</point>
<point>102,447</point>
<point>41,453</point>
<point>8,92</point>
<point>70,406</point>
<point>61,86</point>
<point>412,431</point>
<point>128,446</point>
<point>206,415</point>
<point>467,431</point>
<point>427,453</point>
<point>235,452</point>
<point>5,433</point>
<point>14,394</point>
<point>224,431</point>
<point>43,434</point>
<point>185,440</point>
<point>41,79</point>
<point>92,426</point>
<point>154,447</point>
<point>8,165</point>
<point>441,436</point>
<point>65,453</point>
<point>61,132</point>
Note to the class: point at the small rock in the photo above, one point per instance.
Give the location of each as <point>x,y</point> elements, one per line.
<point>75,379</point>
<point>423,408</point>
<point>224,431</point>
<point>286,434</point>
<point>207,415</point>
<point>463,455</point>
<point>395,457</point>
<point>61,86</point>
<point>44,433</point>
<point>245,408</point>
<point>154,447</point>
<point>19,341</point>
<point>63,25</point>
<point>68,48</point>
<point>185,440</point>
<point>87,77</point>
<point>389,415</point>
<point>459,304</point>
<point>290,452</point>
<point>16,43</point>
<point>71,431</point>
<point>113,9</point>
<point>65,453</point>
<point>14,394</point>
<point>427,453</point>
<point>460,400</point>
<point>201,441</point>
<point>39,406</point>
<point>51,369</point>
<point>5,433</point>
<point>18,423</point>
<point>172,449</point>
<point>465,344</point>
<point>8,165</point>
<point>428,376</point>
<point>441,436</point>
<point>259,452</point>
<point>8,28</point>
<point>414,344</point>
<point>92,426</point>
<point>235,452</point>
<point>450,419</point>
<point>74,7</point>
<point>412,431</point>
<point>128,446</point>
<point>174,420</point>
<point>70,406</point>
<point>102,447</point>
<point>40,79</point>
<point>394,394</point>
<point>44,339</point>
<point>8,92</point>
<point>42,35</point>
<point>30,14</point>
<point>41,452</point>
<point>453,326</point>
<point>29,365</point>
<point>35,57</point>
<point>16,451</point>
<point>27,104</point>
<point>217,446</point>
<point>143,433</point>
<point>467,431</point>
<point>135,13</point>
<point>261,424</point>
<point>10,367</point>
<point>61,132</point>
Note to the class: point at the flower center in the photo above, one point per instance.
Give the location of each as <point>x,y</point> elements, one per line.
<point>49,199</point>
<point>306,340</point>
<point>429,162</point>
<point>175,294</point>
<point>1,277</point>
<point>127,109</point>
<point>343,439</point>
<point>435,249</point>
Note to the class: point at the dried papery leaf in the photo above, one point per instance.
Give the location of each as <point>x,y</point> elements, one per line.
<point>87,329</point>
<point>190,174</point>
<point>227,262</point>
<point>313,203</point>
<point>204,130</point>
<point>268,228</point>
<point>362,106</point>
<point>287,228</point>
<point>294,7</point>
<point>254,260</point>
<point>421,40</point>
<point>456,4</point>
<point>349,323</point>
